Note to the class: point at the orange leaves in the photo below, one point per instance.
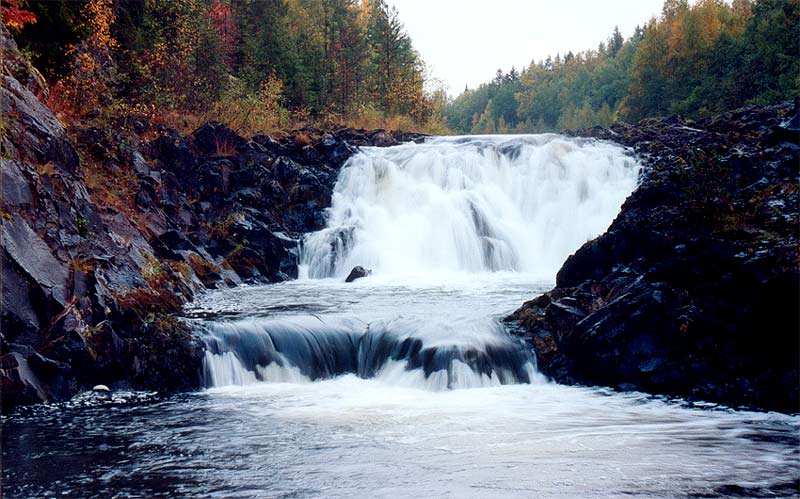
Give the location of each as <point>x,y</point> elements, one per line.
<point>92,69</point>
<point>60,100</point>
<point>99,15</point>
<point>14,16</point>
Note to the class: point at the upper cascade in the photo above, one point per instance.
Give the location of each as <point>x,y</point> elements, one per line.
<point>470,204</point>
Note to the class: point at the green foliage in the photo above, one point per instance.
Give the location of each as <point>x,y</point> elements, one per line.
<point>695,59</point>
<point>770,48</point>
<point>202,58</point>
<point>83,226</point>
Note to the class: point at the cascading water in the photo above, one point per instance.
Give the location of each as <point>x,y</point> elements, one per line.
<point>457,231</point>
<point>320,388</point>
<point>399,351</point>
<point>470,204</point>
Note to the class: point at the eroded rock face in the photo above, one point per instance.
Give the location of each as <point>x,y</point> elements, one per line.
<point>107,230</point>
<point>36,135</point>
<point>693,290</point>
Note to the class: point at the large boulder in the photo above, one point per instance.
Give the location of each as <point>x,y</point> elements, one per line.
<point>694,289</point>
<point>99,251</point>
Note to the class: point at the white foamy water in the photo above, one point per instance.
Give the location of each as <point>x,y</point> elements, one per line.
<point>322,389</point>
<point>399,433</point>
<point>405,383</point>
<point>417,332</point>
<point>470,204</point>
<point>350,437</point>
<point>467,213</point>
<point>519,441</point>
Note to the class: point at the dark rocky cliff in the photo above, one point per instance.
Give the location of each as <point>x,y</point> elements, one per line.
<point>693,290</point>
<point>107,228</point>
<point>110,226</point>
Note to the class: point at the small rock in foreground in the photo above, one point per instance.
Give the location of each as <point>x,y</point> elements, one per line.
<point>357,273</point>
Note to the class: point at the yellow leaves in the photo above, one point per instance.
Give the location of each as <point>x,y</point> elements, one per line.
<point>699,26</point>
<point>675,34</point>
<point>271,92</point>
<point>99,15</point>
<point>91,66</point>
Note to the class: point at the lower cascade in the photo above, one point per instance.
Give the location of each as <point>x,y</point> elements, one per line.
<point>304,349</point>
<point>431,220</point>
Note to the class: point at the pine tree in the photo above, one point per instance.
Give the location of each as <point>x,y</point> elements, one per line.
<point>395,72</point>
<point>615,42</point>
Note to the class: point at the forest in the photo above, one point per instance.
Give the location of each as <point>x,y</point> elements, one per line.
<point>256,65</point>
<point>694,60</point>
<point>268,65</point>
<point>234,262</point>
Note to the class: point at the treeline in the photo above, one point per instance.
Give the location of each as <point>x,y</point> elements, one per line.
<point>693,60</point>
<point>255,64</point>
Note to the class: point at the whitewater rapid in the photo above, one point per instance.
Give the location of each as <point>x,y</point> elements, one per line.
<point>321,388</point>
<point>471,225</point>
<point>470,204</point>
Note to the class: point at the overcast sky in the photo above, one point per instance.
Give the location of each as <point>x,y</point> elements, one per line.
<point>465,41</point>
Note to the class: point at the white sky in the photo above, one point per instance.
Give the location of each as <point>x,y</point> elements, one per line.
<point>466,41</point>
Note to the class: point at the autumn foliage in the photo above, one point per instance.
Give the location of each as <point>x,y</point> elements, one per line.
<point>696,58</point>
<point>14,16</point>
<point>256,65</point>
<point>88,84</point>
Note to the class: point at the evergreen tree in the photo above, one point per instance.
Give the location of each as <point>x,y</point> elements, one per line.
<point>694,59</point>
<point>615,42</point>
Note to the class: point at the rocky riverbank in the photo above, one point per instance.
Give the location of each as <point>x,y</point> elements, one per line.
<point>693,290</point>
<point>111,225</point>
<point>108,227</point>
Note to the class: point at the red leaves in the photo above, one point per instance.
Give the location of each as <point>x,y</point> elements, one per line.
<point>221,14</point>
<point>14,17</point>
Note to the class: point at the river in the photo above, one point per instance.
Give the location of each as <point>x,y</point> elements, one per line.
<point>405,383</point>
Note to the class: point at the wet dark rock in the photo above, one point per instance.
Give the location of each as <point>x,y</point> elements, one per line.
<point>13,184</point>
<point>19,315</point>
<point>36,136</point>
<point>171,243</point>
<point>258,251</point>
<point>95,272</point>
<point>33,258</point>
<point>383,139</point>
<point>335,149</point>
<point>215,138</point>
<point>357,273</point>
<point>694,289</point>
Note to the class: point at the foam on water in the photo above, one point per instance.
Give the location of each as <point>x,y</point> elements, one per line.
<point>320,388</point>
<point>451,217</point>
<point>470,204</point>
<point>349,437</point>
<point>407,352</point>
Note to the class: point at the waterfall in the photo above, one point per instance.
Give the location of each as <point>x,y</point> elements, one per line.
<point>484,209</point>
<point>304,349</point>
<point>470,204</point>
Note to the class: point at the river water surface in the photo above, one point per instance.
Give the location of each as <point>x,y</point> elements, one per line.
<point>405,383</point>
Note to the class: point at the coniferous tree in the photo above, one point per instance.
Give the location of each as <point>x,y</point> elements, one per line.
<point>694,59</point>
